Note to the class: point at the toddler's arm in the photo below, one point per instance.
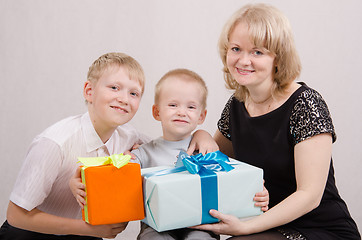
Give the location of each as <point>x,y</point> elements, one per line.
<point>78,188</point>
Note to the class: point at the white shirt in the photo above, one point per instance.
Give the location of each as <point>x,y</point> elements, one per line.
<point>52,159</point>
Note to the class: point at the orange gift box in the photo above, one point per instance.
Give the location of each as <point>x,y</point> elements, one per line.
<point>114,194</point>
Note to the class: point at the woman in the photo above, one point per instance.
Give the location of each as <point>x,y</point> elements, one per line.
<point>281,126</point>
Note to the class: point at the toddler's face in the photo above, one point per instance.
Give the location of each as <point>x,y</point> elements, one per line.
<point>179,108</point>
<point>114,98</point>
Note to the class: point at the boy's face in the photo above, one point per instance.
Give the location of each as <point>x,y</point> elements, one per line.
<point>179,108</point>
<point>113,100</point>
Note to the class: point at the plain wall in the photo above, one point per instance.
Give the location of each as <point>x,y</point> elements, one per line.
<point>46,48</point>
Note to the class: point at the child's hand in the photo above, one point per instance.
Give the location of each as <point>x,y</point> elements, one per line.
<point>128,152</point>
<point>78,188</point>
<point>262,199</point>
<point>133,157</point>
<point>106,231</point>
<point>135,146</point>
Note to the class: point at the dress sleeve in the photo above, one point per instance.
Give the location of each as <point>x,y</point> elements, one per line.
<point>310,116</point>
<point>224,122</point>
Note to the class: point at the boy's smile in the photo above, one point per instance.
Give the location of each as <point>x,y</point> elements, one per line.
<point>120,109</point>
<point>113,100</point>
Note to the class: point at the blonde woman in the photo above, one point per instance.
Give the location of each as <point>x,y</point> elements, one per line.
<point>280,125</point>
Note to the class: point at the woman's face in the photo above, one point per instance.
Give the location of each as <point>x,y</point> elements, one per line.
<point>250,66</point>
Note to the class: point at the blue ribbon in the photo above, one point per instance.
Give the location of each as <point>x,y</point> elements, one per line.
<point>206,167</point>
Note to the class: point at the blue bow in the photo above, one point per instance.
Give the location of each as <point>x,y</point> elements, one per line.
<point>206,167</point>
<point>214,161</point>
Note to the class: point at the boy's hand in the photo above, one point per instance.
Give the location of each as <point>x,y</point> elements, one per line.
<point>135,146</point>
<point>107,231</point>
<point>262,199</point>
<point>77,188</point>
<point>133,157</point>
<point>128,152</point>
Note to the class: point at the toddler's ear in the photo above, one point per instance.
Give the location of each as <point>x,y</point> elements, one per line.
<point>87,91</point>
<point>156,112</point>
<point>202,117</point>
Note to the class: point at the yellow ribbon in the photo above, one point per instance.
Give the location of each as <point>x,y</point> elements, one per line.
<point>118,160</point>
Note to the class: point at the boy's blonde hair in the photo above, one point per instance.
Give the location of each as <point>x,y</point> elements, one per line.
<point>107,60</point>
<point>186,75</point>
<point>268,29</point>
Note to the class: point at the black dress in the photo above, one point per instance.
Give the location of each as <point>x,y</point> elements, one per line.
<point>268,142</point>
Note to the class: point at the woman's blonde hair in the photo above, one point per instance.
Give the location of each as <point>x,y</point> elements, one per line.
<point>270,29</point>
<point>186,75</point>
<point>107,60</point>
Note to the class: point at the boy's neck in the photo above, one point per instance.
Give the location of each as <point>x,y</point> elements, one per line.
<point>105,136</point>
<point>104,133</point>
<point>176,139</point>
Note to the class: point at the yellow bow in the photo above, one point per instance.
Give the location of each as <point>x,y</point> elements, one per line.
<point>118,160</point>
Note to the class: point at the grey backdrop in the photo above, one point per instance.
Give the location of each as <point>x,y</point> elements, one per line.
<point>46,48</point>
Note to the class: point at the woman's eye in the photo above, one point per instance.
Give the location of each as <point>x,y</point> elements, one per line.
<point>258,53</point>
<point>114,87</point>
<point>235,49</point>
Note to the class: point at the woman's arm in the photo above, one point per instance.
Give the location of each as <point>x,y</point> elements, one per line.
<point>203,142</point>
<point>224,144</point>
<point>312,160</point>
<point>38,221</point>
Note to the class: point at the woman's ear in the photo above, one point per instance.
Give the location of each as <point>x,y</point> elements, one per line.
<point>88,91</point>
<point>156,112</point>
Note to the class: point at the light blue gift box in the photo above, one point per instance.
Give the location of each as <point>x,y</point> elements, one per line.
<point>174,201</point>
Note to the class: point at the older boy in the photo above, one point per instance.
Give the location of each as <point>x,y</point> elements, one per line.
<point>41,204</point>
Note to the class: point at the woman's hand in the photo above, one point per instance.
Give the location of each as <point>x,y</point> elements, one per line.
<point>78,188</point>
<point>228,225</point>
<point>203,142</point>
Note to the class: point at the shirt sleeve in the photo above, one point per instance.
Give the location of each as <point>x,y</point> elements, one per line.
<point>37,174</point>
<point>310,117</point>
<point>143,138</point>
<point>224,122</point>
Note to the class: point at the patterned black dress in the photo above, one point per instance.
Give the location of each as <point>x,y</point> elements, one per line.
<point>268,142</point>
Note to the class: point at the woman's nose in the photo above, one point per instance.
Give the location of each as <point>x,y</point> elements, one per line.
<point>244,59</point>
